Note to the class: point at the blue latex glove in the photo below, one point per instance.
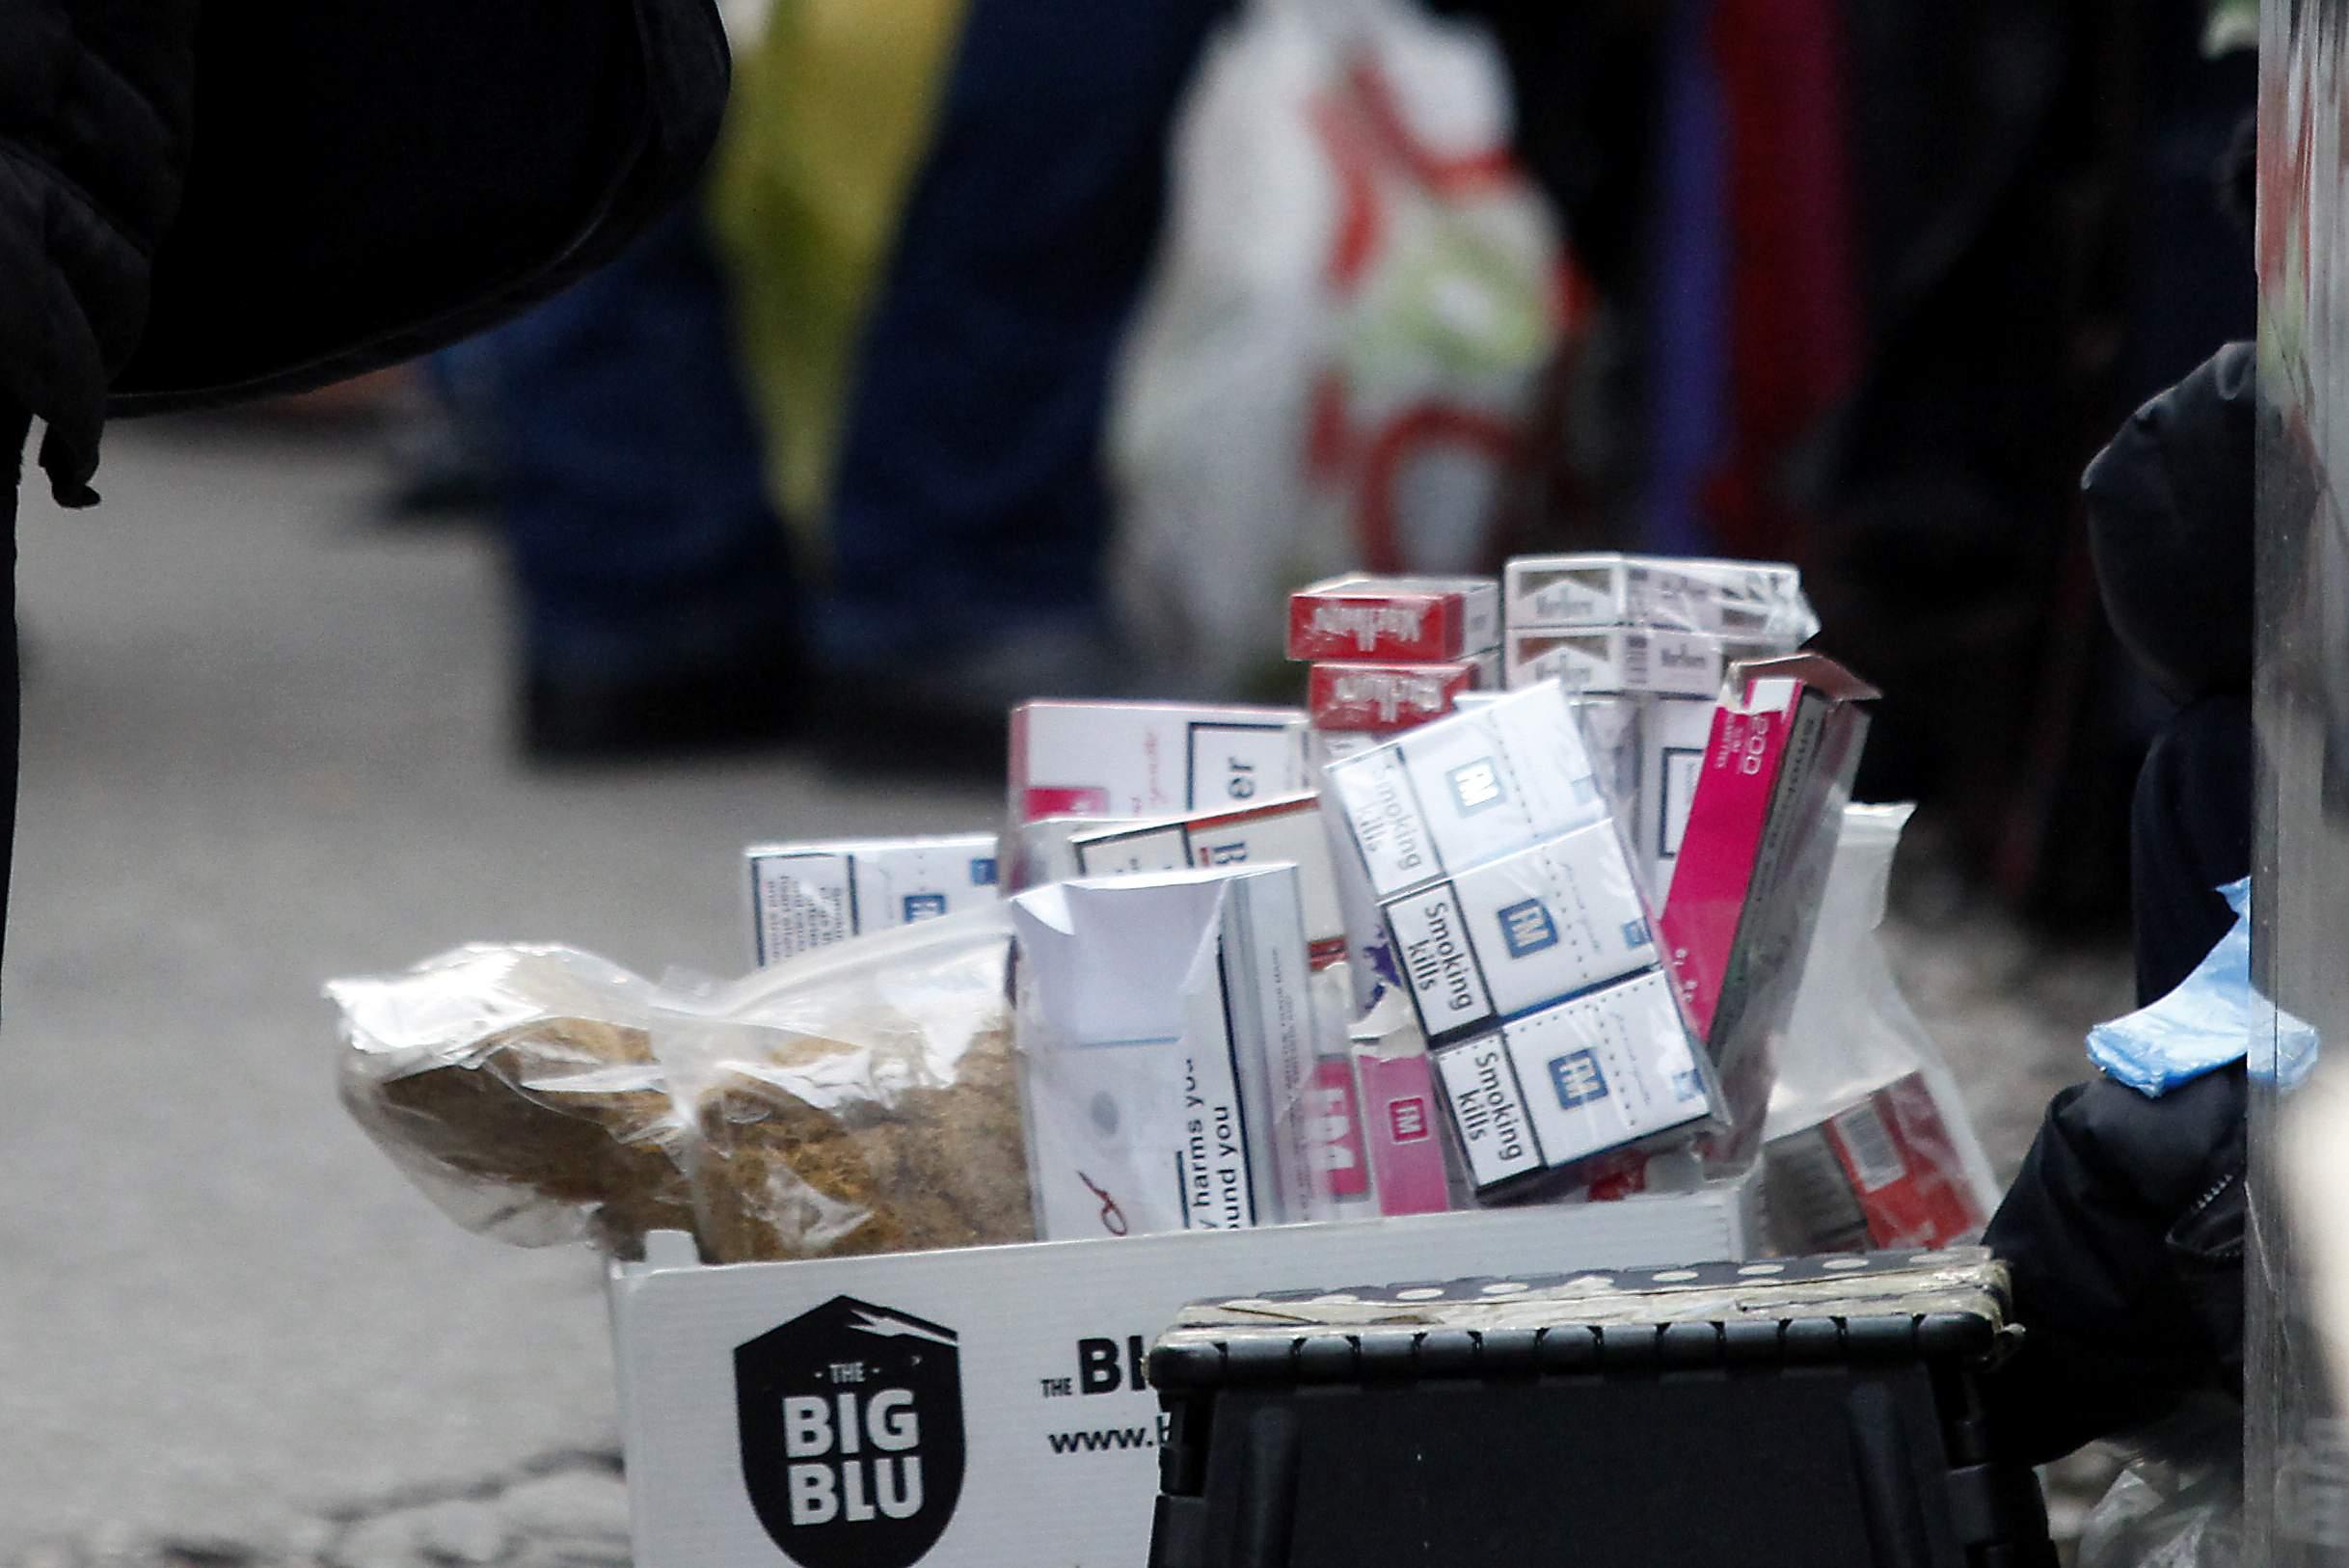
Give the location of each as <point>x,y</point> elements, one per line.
<point>2205,1023</point>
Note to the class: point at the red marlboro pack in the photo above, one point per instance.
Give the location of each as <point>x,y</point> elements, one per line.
<point>1413,619</point>
<point>1883,1173</point>
<point>1769,802</point>
<point>1383,698</point>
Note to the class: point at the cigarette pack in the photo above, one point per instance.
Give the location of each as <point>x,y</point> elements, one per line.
<point>806,896</point>
<point>1763,820</point>
<point>1287,829</point>
<point>1415,619</point>
<point>1400,1135</point>
<point>1333,1109</point>
<point>1610,1069</point>
<point>1044,850</point>
<point>1150,759</point>
<point>1520,932</point>
<point>1608,660</point>
<point>1758,599</point>
<point>1466,789</point>
<point>1386,697</point>
<point>1882,1175</point>
<point>1171,1047</point>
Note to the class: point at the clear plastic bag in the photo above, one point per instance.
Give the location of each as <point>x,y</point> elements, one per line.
<point>1867,1143</point>
<point>860,1100</point>
<point>2178,1502</point>
<point>518,1087</point>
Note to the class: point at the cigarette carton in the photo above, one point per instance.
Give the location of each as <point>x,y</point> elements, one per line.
<point>1150,759</point>
<point>1466,789</point>
<point>1885,1173</point>
<point>1417,619</point>
<point>806,896</point>
<point>1760,600</point>
<point>1170,1042</point>
<point>1521,932</point>
<point>1285,829</point>
<point>1617,658</point>
<point>1753,859</point>
<point>1610,1069</point>
<point>1384,698</point>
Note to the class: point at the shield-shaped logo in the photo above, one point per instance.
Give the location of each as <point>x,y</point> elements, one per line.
<point>852,1425</point>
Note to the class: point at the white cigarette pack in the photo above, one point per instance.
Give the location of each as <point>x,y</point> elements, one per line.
<point>1170,1042</point>
<point>1603,660</point>
<point>1610,1069</point>
<point>1150,759</point>
<point>1466,789</point>
<point>1520,932</point>
<point>1761,600</point>
<point>1285,829</point>
<point>806,896</point>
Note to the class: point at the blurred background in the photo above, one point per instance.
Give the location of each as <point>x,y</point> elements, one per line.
<point>1012,351</point>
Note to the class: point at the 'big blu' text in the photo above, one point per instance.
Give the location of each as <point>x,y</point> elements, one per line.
<point>830,1474</point>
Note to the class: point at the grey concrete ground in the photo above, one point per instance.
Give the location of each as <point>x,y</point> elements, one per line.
<point>264,744</point>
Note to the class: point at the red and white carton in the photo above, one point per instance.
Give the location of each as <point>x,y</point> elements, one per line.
<point>1885,1173</point>
<point>1150,759</point>
<point>1413,619</point>
<point>1384,699</point>
<point>1290,829</point>
<point>1763,820</point>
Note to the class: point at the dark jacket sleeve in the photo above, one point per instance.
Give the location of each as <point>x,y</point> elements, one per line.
<point>2124,1233</point>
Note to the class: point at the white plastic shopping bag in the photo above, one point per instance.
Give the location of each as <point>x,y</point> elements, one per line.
<point>1357,293</point>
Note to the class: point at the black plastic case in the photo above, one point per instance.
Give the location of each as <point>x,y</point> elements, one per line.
<point>1807,1412</point>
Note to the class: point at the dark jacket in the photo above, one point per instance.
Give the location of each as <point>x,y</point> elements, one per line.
<point>202,201</point>
<point>2126,1229</point>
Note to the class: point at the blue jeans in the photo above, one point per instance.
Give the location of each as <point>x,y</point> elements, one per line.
<point>636,508</point>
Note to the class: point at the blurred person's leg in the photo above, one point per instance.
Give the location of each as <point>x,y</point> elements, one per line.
<point>968,509</point>
<point>658,605</point>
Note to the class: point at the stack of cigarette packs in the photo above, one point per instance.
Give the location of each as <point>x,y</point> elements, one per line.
<point>1645,642</point>
<point>1388,653</point>
<point>1524,941</point>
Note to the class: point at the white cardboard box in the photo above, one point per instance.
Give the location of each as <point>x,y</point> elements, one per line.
<point>1009,1373</point>
<point>806,896</point>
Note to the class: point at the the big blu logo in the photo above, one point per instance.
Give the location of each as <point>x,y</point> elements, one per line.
<point>851,1429</point>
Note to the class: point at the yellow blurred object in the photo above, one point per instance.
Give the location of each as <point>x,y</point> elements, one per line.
<point>829,121</point>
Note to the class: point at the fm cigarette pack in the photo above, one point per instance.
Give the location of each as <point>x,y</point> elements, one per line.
<point>1521,932</point>
<point>806,896</point>
<point>1612,1069</point>
<point>1285,830</point>
<point>1150,759</point>
<point>1401,1113</point>
<point>1171,1043</point>
<point>1758,599</point>
<point>1763,820</point>
<point>1413,619</point>
<point>1466,789</point>
<point>1616,659</point>
<point>1384,699</point>
<point>1883,1173</point>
